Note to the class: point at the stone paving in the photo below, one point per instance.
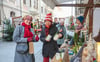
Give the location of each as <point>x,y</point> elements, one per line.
<point>7,51</point>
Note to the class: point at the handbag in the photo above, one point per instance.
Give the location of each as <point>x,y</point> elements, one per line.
<point>22,47</point>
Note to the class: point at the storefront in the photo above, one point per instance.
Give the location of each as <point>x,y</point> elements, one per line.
<point>87,51</point>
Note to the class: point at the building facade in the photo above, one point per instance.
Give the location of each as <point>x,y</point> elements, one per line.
<point>15,8</point>
<point>96,12</point>
<point>80,10</point>
<point>44,10</point>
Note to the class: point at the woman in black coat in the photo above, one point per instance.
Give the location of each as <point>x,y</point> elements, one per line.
<point>49,44</point>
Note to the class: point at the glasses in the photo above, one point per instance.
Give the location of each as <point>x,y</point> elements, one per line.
<point>28,19</point>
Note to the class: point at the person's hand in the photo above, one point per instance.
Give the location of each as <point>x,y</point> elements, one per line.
<point>84,28</point>
<point>60,35</point>
<point>29,39</point>
<point>60,30</point>
<point>47,40</point>
<point>63,45</point>
<point>76,31</point>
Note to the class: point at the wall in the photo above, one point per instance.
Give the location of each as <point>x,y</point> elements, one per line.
<point>96,21</point>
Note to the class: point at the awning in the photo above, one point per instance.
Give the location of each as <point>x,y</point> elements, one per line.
<point>53,3</point>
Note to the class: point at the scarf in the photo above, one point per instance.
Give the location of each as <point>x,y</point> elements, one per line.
<point>47,30</point>
<point>27,32</point>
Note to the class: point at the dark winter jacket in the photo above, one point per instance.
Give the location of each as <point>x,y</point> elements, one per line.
<point>49,48</point>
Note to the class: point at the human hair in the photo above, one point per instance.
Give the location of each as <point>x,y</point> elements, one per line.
<point>27,17</point>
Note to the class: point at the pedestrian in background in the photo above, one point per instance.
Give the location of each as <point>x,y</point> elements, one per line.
<point>56,21</point>
<point>79,21</point>
<point>62,27</point>
<point>23,35</point>
<point>47,34</point>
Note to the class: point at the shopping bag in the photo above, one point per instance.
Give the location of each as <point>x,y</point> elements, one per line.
<point>31,48</point>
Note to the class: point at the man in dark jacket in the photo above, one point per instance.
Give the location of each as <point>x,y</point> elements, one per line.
<point>47,34</point>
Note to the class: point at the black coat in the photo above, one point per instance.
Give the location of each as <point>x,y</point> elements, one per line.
<point>49,48</point>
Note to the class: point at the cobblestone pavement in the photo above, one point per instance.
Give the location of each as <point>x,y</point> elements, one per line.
<point>7,51</point>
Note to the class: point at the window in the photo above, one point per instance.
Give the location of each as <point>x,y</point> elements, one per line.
<point>36,4</point>
<point>45,10</point>
<point>13,1</point>
<point>98,1</point>
<point>41,9</point>
<point>30,3</point>
<point>24,1</point>
<point>81,10</point>
<point>0,17</point>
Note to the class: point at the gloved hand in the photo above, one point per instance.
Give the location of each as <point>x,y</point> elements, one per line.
<point>29,39</point>
<point>37,38</point>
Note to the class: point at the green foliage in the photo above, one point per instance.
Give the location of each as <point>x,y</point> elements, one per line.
<point>76,39</point>
<point>71,24</point>
<point>83,37</point>
<point>78,42</point>
<point>8,30</point>
<point>75,49</point>
<point>32,25</point>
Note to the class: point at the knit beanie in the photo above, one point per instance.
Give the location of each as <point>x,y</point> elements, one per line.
<point>81,19</point>
<point>48,17</point>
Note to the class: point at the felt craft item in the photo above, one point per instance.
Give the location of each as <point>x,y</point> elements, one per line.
<point>56,60</point>
<point>98,51</point>
<point>66,55</point>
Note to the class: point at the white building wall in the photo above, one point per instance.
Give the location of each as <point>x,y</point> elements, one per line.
<point>9,5</point>
<point>96,21</point>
